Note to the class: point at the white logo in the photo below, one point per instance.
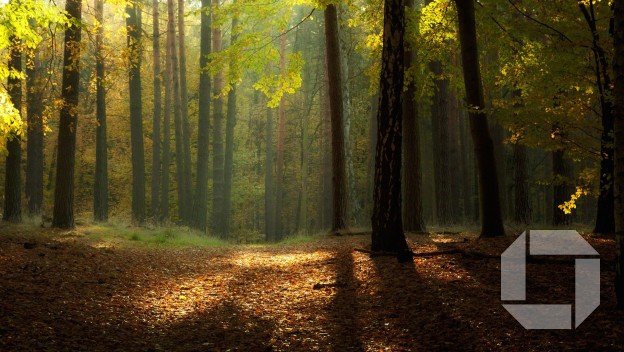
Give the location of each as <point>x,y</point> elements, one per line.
<point>550,316</point>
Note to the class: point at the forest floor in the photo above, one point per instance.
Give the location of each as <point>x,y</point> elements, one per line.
<point>77,291</point>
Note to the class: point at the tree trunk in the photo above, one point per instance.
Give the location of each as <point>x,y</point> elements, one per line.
<point>186,129</point>
<point>412,206</point>
<point>157,108</point>
<point>100,187</point>
<point>217,140</point>
<point>281,136</point>
<point>13,167</point>
<point>372,146</point>
<point>269,197</point>
<point>63,214</point>
<point>34,145</point>
<point>325,196</point>
<point>489,199</point>
<point>229,144</point>
<point>618,110</point>
<point>177,118</point>
<point>386,220</point>
<point>200,206</point>
<point>133,25</point>
<point>562,172</point>
<point>522,205</point>
<point>166,147</point>
<point>339,181</point>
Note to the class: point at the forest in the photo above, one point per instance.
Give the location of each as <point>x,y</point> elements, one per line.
<point>310,175</point>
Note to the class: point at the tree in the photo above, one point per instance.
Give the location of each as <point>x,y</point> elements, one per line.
<point>63,214</point>
<point>618,102</point>
<point>12,181</point>
<point>217,139</point>
<point>339,182</point>
<point>269,196</point>
<point>387,220</point>
<point>156,160</point>
<point>186,138</point>
<point>166,147</point>
<point>489,200</point>
<point>200,204</point>
<point>230,123</point>
<point>100,186</point>
<point>281,136</point>
<point>34,144</point>
<point>133,25</point>
<point>412,206</point>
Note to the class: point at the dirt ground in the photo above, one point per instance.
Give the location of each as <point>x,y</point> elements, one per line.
<point>64,291</point>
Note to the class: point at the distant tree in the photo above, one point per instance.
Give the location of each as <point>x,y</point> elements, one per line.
<point>63,215</point>
<point>489,199</point>
<point>618,102</point>
<point>34,144</point>
<point>522,205</point>
<point>100,186</point>
<point>387,221</point>
<point>339,181</point>
<point>166,147</point>
<point>133,26</point>
<point>269,196</point>
<point>217,138</point>
<point>412,205</point>
<point>12,181</point>
<point>184,116</point>
<point>156,160</point>
<point>281,137</point>
<point>200,205</point>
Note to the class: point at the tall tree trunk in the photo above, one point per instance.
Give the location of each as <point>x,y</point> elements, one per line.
<point>562,174</point>
<point>412,206</point>
<point>13,167</point>
<point>339,181</point>
<point>618,110</point>
<point>386,220</point>
<point>522,206</point>
<point>489,199</point>
<point>372,147</point>
<point>100,187</point>
<point>217,140</point>
<point>186,129</point>
<point>200,206</point>
<point>281,136</point>
<point>229,143</point>
<point>166,147</point>
<point>156,160</point>
<point>63,214</point>
<point>34,145</point>
<point>269,196</point>
<point>133,25</point>
<point>325,196</point>
<point>177,114</point>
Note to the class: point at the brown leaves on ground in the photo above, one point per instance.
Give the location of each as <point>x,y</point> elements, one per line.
<point>66,293</point>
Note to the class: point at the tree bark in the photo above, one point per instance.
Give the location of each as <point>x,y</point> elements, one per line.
<point>230,123</point>
<point>100,186</point>
<point>339,181</point>
<point>412,206</point>
<point>13,167</point>
<point>386,220</point>
<point>133,25</point>
<point>166,147</point>
<point>489,199</point>
<point>34,145</point>
<point>281,136</point>
<point>156,160</point>
<point>217,140</point>
<point>522,205</point>
<point>186,129</point>
<point>269,196</point>
<point>618,110</point>
<point>63,214</point>
<point>200,206</point>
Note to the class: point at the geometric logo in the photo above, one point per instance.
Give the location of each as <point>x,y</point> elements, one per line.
<point>550,316</point>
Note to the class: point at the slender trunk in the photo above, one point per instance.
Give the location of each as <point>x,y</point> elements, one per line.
<point>562,175</point>
<point>166,147</point>
<point>177,114</point>
<point>133,24</point>
<point>269,197</point>
<point>229,144</point>
<point>13,179</point>
<point>325,196</point>
<point>34,146</point>
<point>200,206</point>
<point>412,206</point>
<point>489,199</point>
<point>372,145</point>
<point>281,136</point>
<point>186,133</point>
<point>157,108</point>
<point>63,214</point>
<point>386,220</point>
<point>100,187</point>
<point>618,110</point>
<point>217,140</point>
<point>522,205</point>
<point>339,181</point>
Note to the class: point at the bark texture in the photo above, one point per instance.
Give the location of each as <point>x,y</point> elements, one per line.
<point>13,176</point>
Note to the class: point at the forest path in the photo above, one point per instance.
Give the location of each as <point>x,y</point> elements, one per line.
<point>60,291</point>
